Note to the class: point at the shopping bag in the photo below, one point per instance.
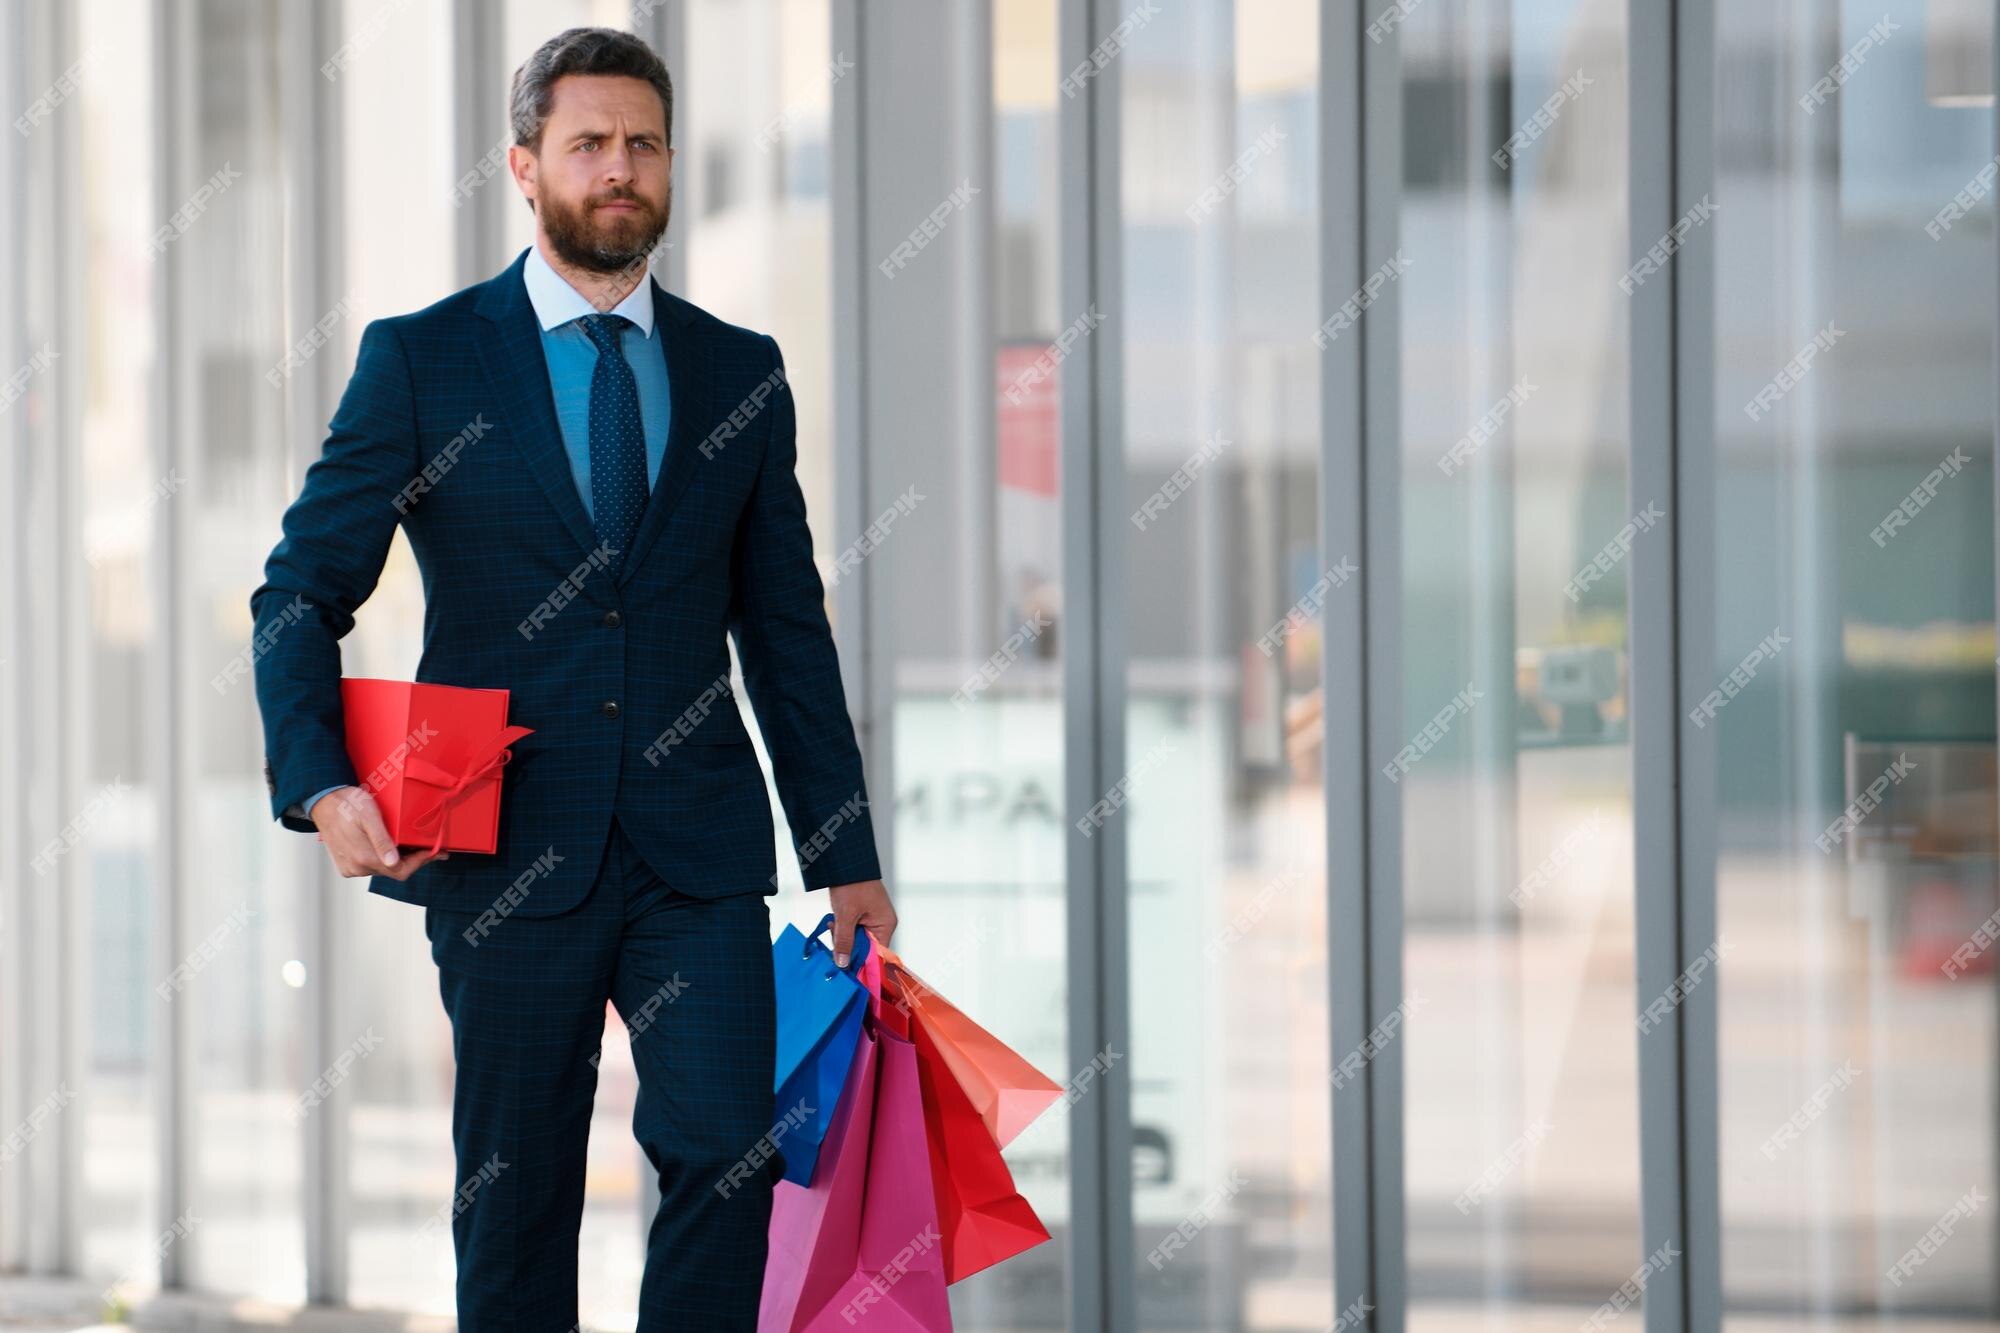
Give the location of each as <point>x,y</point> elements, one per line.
<point>1005,1089</point>
<point>897,1284</point>
<point>815,1229</point>
<point>982,1218</point>
<point>820,1010</point>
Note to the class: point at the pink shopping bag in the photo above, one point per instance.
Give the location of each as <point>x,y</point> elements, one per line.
<point>898,1283</point>
<point>815,1229</point>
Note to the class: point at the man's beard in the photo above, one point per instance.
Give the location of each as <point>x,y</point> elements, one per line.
<point>605,243</point>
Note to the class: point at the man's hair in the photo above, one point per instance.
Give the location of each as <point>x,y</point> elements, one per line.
<point>581,51</point>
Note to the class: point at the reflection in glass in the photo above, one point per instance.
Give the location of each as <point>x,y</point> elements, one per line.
<point>1521,1090</point>
<point>1854,514</point>
<point>1231,1101</point>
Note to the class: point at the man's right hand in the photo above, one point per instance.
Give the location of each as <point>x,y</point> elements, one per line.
<point>358,840</point>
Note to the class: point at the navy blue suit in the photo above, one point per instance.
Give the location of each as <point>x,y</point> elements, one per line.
<point>638,799</point>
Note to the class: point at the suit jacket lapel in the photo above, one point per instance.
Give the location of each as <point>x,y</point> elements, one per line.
<point>688,422</point>
<point>517,373</point>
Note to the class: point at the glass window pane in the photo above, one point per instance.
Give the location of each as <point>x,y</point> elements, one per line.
<point>1521,1085</point>
<point>1853,711</point>
<point>1225,584</point>
<point>123,499</point>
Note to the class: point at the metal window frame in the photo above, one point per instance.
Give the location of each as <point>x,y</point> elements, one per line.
<point>1102,1293</point>
<point>14,681</point>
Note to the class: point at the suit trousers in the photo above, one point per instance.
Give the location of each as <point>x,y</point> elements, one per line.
<point>692,979</point>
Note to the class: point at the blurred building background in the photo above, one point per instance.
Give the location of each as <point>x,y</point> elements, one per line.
<point>1479,626</point>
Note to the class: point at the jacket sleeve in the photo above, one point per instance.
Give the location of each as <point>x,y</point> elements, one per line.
<point>336,538</point>
<point>777,612</point>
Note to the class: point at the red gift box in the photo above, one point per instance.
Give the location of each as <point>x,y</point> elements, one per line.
<point>431,756</point>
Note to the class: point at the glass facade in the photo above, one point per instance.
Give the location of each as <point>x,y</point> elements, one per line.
<point>1268,461</point>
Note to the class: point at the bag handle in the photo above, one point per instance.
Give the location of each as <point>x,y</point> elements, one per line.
<point>860,945</point>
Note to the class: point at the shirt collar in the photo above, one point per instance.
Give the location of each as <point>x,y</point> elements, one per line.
<point>556,302</point>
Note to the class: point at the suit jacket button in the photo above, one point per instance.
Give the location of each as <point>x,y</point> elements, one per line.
<point>611,708</point>
<point>612,619</point>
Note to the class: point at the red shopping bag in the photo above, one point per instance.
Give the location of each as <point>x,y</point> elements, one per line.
<point>1005,1089</point>
<point>983,1219</point>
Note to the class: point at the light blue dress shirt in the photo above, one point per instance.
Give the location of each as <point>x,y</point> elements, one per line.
<point>572,359</point>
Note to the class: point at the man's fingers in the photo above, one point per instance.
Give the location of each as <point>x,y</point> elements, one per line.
<point>843,939</point>
<point>378,833</point>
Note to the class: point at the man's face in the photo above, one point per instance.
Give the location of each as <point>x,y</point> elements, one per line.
<point>600,181</point>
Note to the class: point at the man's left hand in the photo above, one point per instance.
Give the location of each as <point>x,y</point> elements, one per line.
<point>864,903</point>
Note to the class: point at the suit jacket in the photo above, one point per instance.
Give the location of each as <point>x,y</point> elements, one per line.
<point>448,427</point>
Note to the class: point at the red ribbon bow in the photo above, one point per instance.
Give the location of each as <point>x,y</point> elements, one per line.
<point>486,759</point>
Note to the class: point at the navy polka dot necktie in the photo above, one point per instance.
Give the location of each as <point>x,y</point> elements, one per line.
<point>617,444</point>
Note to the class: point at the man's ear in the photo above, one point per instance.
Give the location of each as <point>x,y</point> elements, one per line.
<point>521,164</point>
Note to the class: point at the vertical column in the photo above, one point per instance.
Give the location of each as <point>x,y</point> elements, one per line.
<point>310,123</point>
<point>1092,468</point>
<point>172,1038</point>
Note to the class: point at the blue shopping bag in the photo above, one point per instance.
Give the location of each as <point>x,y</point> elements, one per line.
<point>819,1024</point>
